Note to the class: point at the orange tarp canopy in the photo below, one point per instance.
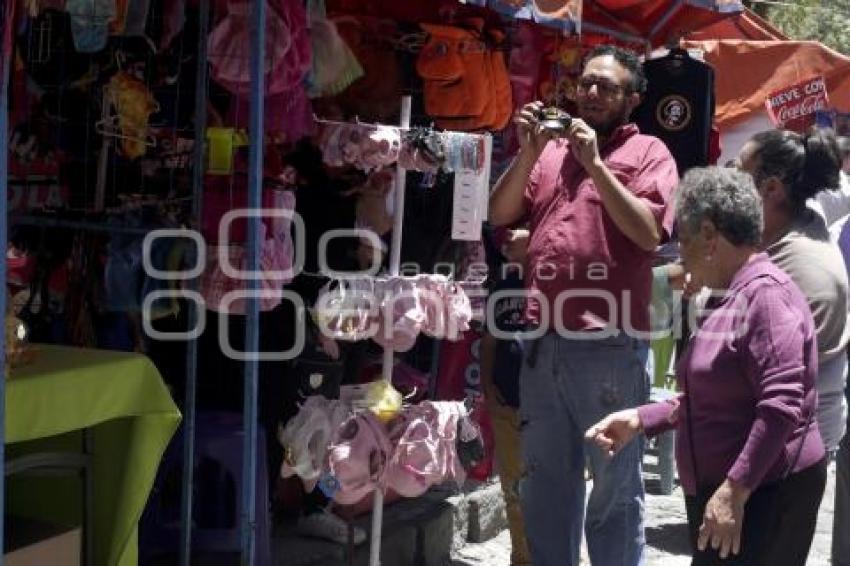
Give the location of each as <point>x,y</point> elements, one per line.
<point>746,72</point>
<point>645,21</point>
<point>657,21</point>
<point>743,25</point>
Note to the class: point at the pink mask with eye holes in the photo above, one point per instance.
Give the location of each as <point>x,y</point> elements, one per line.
<point>435,304</point>
<point>347,311</point>
<point>402,316</point>
<point>381,148</point>
<point>449,414</point>
<point>459,313</point>
<point>358,457</point>
<point>425,456</point>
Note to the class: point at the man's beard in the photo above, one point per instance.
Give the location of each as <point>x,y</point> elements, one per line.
<point>606,128</point>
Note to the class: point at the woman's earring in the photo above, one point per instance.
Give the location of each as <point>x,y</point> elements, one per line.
<point>709,258</point>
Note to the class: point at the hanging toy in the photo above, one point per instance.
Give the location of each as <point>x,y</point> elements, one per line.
<point>133,104</point>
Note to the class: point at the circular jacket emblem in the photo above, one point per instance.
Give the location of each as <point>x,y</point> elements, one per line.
<point>673,113</point>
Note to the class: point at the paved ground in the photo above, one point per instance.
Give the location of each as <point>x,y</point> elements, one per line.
<point>665,532</point>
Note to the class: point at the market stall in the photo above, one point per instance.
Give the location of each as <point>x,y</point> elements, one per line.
<point>138,133</point>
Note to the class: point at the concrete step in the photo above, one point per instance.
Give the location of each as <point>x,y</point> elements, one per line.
<point>425,531</point>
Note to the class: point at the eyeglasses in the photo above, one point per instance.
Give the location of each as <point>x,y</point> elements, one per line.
<point>603,87</point>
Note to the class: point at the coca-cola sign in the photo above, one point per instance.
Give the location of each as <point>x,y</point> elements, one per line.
<point>794,107</point>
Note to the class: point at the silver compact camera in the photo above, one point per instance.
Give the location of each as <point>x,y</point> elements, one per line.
<point>554,120</point>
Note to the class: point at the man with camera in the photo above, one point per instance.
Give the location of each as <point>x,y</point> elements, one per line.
<point>597,197</point>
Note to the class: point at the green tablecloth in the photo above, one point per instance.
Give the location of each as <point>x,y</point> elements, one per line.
<point>121,399</point>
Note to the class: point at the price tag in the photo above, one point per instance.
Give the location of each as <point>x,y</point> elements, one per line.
<point>466,213</point>
<point>471,195</point>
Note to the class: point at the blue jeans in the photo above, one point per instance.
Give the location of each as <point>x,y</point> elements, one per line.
<point>565,387</point>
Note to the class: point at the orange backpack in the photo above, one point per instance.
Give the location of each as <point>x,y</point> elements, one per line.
<point>465,78</point>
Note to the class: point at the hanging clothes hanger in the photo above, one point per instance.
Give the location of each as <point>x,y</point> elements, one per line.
<point>109,125</point>
<point>40,50</point>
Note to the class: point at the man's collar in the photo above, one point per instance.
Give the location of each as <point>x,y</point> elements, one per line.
<point>621,134</point>
<point>625,131</point>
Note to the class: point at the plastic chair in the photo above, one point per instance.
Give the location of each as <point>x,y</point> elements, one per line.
<point>216,518</point>
<point>61,463</point>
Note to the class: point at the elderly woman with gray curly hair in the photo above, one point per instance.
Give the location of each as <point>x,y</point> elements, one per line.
<point>750,456</point>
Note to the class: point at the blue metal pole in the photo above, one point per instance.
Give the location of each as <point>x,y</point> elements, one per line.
<point>6,66</point>
<point>198,167</point>
<point>255,177</point>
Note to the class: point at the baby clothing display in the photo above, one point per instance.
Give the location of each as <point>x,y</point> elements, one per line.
<point>393,311</point>
<point>224,227</point>
<point>369,147</point>
<point>335,66</point>
<point>351,453</point>
<point>306,438</point>
<point>287,63</point>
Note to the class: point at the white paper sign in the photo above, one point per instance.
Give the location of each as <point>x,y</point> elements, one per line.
<point>471,194</point>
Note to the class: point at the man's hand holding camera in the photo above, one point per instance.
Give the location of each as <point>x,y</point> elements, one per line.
<point>537,125</point>
<point>532,138</point>
<point>584,144</point>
